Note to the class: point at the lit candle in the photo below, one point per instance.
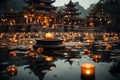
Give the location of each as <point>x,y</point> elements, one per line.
<point>88,70</point>
<point>12,53</point>
<point>108,47</point>
<point>49,36</point>
<point>4,45</point>
<point>40,50</point>
<point>88,42</point>
<point>105,39</point>
<point>49,58</point>
<point>32,54</point>
<point>96,57</point>
<point>79,44</point>
<point>12,70</point>
<point>86,51</point>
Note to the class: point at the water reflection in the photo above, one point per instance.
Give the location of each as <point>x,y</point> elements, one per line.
<point>64,65</point>
<point>40,68</point>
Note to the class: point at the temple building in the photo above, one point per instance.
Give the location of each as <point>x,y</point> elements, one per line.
<point>37,14</point>
<point>40,12</point>
<point>92,20</point>
<point>11,21</point>
<point>71,16</point>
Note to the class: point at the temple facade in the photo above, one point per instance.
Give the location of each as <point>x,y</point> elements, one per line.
<point>37,14</point>
<point>40,12</point>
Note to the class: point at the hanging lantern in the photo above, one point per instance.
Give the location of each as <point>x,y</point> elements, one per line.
<point>12,70</point>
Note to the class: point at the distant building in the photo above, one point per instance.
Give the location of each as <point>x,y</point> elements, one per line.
<point>71,16</point>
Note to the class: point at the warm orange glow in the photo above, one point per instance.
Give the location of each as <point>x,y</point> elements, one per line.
<point>25,16</point>
<point>49,58</point>
<point>86,51</point>
<point>12,54</point>
<point>12,70</point>
<point>91,24</point>
<point>108,46</point>
<point>49,36</point>
<point>88,42</point>
<point>32,54</point>
<point>4,44</point>
<point>40,50</point>
<point>31,42</point>
<point>92,37</point>
<point>105,39</point>
<point>87,70</point>
<point>79,44</point>
<point>115,38</point>
<point>96,57</point>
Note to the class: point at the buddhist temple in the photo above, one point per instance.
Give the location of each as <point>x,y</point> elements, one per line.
<point>37,14</point>
<point>40,12</point>
<point>41,42</point>
<point>71,16</point>
<point>92,20</point>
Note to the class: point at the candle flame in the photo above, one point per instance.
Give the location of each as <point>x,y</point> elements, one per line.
<point>88,72</point>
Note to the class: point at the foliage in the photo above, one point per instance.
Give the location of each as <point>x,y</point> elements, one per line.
<point>110,7</point>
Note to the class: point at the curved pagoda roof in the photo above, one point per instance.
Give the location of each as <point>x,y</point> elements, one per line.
<point>71,4</point>
<point>71,19</point>
<point>40,5</point>
<point>92,15</point>
<point>72,13</point>
<point>70,9</point>
<point>45,1</point>
<point>44,7</point>
<point>30,7</point>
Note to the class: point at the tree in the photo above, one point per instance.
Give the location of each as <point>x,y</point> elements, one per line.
<point>111,7</point>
